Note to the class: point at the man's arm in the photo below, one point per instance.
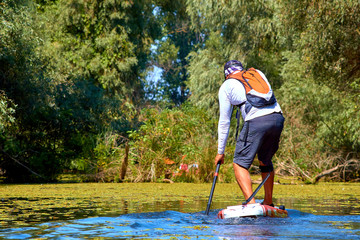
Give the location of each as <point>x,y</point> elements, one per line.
<point>224,120</point>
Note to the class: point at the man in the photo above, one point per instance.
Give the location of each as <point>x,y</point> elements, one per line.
<point>260,133</point>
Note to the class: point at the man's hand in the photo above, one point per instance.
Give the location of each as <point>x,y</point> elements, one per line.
<point>219,159</point>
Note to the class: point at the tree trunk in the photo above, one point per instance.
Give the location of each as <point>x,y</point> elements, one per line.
<point>125,162</point>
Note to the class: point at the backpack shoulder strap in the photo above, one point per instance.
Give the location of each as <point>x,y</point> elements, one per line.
<point>238,120</point>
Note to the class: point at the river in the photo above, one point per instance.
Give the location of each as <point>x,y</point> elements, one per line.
<point>173,211</point>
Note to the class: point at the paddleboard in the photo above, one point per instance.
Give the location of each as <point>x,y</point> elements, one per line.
<point>252,210</point>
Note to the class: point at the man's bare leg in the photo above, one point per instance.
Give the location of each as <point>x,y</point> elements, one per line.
<point>242,176</point>
<point>268,186</point>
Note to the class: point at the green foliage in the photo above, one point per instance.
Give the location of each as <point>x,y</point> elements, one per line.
<point>72,72</point>
<point>322,126</point>
<point>330,43</point>
<point>322,74</point>
<point>24,83</point>
<point>106,42</point>
<point>60,111</point>
<point>169,138</point>
<point>206,74</point>
<point>7,110</point>
<point>178,40</point>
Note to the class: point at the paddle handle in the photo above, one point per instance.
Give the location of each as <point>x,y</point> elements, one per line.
<point>212,188</point>
<point>256,190</point>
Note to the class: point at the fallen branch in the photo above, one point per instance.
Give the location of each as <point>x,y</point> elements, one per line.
<point>168,180</point>
<point>332,170</point>
<point>23,165</point>
<point>259,181</point>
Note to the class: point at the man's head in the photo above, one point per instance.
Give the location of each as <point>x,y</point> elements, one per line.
<point>232,66</point>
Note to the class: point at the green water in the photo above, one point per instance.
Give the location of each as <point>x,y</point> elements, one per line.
<point>28,205</point>
<point>173,211</point>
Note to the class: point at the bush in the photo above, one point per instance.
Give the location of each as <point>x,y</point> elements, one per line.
<point>321,128</point>
<point>169,139</point>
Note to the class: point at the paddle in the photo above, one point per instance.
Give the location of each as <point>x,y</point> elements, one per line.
<point>256,190</point>
<point>212,188</point>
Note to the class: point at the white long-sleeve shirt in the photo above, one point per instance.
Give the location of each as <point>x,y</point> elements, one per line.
<point>232,93</point>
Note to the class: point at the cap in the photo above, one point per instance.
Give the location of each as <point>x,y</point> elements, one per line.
<point>232,66</point>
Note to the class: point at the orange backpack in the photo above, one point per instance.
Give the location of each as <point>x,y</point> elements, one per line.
<point>258,91</point>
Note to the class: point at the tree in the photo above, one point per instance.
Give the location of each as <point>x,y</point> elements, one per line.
<point>24,84</point>
<point>325,52</point>
<point>70,70</point>
<point>107,42</point>
<point>178,40</point>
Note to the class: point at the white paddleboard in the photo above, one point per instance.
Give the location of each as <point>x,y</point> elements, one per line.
<point>252,210</point>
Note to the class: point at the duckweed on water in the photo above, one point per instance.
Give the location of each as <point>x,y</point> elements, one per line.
<point>24,205</point>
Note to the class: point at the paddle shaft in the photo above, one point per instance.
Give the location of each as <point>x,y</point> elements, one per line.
<point>256,190</point>
<point>212,188</point>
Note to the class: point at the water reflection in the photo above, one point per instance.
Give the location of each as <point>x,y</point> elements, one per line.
<point>177,225</point>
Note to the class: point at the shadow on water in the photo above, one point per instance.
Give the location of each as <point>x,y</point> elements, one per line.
<point>180,220</point>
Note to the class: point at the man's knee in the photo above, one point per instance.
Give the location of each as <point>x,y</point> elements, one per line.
<point>265,169</point>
